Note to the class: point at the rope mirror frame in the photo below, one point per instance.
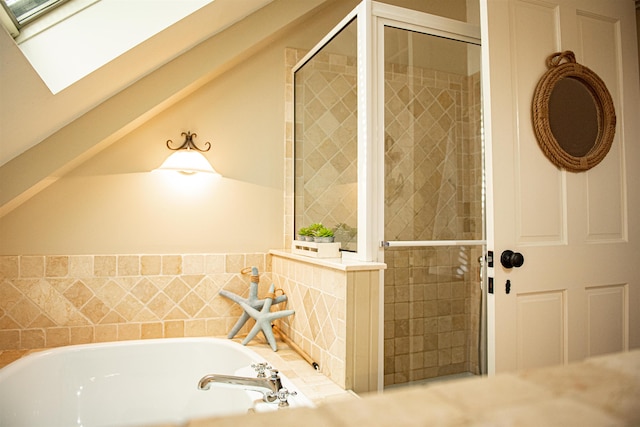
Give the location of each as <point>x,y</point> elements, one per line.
<point>562,65</point>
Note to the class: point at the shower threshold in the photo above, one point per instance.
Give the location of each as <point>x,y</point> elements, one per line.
<point>428,381</point>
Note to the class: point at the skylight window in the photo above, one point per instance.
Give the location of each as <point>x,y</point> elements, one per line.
<point>22,12</point>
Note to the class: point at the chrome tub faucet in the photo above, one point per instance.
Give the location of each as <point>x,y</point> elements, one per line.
<point>271,387</point>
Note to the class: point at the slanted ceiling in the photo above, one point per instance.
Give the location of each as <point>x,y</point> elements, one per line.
<point>43,136</point>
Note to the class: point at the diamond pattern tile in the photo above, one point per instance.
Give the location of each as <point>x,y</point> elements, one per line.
<point>329,171</point>
<point>115,299</point>
<point>433,167</point>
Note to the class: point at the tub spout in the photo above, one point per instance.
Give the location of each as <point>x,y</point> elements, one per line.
<point>269,387</point>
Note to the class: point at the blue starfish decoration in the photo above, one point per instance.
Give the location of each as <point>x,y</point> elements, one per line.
<point>252,302</point>
<point>263,320</point>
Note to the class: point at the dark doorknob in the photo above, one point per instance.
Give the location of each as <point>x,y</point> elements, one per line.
<point>510,259</point>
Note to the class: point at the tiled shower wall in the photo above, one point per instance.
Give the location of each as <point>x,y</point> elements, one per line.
<point>432,309</point>
<point>326,149</point>
<point>50,301</point>
<point>433,158</point>
<point>433,191</point>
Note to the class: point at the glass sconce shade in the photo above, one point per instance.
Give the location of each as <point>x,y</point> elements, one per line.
<point>187,161</point>
<point>187,158</point>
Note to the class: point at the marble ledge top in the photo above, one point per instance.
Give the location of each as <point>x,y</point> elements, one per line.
<point>334,263</point>
<point>602,391</point>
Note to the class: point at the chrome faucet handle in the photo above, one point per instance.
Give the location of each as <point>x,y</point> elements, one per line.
<point>283,395</point>
<point>260,368</point>
<point>275,380</point>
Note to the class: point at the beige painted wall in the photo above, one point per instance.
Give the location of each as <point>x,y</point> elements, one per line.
<point>111,204</point>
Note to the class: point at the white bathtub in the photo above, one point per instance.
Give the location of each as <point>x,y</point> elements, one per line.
<point>128,383</point>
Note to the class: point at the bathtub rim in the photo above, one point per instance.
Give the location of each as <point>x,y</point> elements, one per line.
<point>73,348</point>
<point>19,367</point>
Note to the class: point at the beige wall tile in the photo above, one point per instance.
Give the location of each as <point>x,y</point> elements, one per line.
<point>214,264</point>
<point>256,260</point>
<point>9,339</point>
<point>144,290</point>
<point>24,312</point>
<point>176,289</point>
<point>150,265</point>
<point>192,304</point>
<point>152,330</point>
<point>444,357</point>
<point>104,265</point>
<point>128,265</point>
<point>95,310</point>
<point>9,295</point>
<point>57,337</point>
<point>176,313</point>
<point>33,338</point>
<point>56,266</point>
<point>112,317</point>
<point>81,266</point>
<point>234,263</point>
<point>42,321</point>
<point>81,335</point>
<point>106,333</point>
<point>220,326</point>
<point>171,264</point>
<point>114,297</point>
<point>129,307</point>
<point>174,329</point>
<point>129,331</point>
<point>160,305</point>
<point>193,264</point>
<point>6,322</point>
<point>32,266</point>
<point>78,294</point>
<point>195,328</point>
<point>9,267</point>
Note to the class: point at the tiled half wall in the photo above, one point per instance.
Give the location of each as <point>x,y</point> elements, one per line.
<point>50,301</point>
<point>337,317</point>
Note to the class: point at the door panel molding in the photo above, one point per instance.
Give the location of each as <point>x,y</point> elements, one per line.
<point>600,49</point>
<point>540,197</point>
<point>607,319</point>
<point>542,322</point>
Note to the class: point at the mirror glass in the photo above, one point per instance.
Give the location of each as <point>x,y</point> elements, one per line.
<point>573,116</point>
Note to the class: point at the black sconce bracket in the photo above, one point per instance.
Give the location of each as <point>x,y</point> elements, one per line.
<point>188,143</point>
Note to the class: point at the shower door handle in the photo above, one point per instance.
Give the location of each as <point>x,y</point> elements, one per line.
<point>430,243</point>
<point>510,259</point>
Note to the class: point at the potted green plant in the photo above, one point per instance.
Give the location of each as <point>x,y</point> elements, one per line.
<point>305,234</point>
<point>323,235</point>
<point>313,228</point>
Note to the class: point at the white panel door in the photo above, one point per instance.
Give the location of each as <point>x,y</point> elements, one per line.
<point>578,292</point>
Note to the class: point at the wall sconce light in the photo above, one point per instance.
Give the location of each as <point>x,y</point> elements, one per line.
<point>187,157</point>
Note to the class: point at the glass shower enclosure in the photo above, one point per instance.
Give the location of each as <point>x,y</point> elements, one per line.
<point>389,152</point>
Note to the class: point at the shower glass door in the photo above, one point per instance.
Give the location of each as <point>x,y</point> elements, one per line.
<point>433,207</point>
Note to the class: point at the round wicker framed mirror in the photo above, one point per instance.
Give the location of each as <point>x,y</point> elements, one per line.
<point>574,119</point>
